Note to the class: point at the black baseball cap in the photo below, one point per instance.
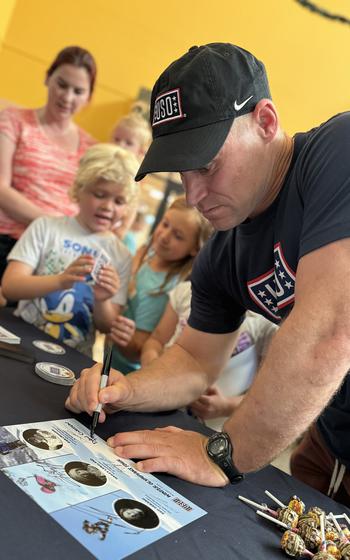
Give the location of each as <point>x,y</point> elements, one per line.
<point>194,103</point>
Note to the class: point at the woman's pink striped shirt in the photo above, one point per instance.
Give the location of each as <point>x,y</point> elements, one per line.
<point>41,170</point>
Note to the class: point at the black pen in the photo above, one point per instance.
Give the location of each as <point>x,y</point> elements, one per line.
<point>104,379</point>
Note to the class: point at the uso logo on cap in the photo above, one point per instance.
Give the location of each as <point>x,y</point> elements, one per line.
<point>167,107</point>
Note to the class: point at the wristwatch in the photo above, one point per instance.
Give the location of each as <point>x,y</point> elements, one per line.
<point>219,449</point>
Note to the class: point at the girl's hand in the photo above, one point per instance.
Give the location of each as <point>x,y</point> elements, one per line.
<point>122,331</point>
<point>76,272</point>
<point>213,404</point>
<point>108,283</point>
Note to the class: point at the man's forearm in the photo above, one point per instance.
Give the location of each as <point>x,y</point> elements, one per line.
<point>300,374</point>
<point>164,386</point>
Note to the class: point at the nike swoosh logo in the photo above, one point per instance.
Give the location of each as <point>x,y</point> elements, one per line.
<point>239,106</point>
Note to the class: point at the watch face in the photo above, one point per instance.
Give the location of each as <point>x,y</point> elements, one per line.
<point>219,449</point>
<point>218,446</point>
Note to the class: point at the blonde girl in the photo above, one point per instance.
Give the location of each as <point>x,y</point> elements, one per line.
<point>133,132</point>
<point>157,269</point>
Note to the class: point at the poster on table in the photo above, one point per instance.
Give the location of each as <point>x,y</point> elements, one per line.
<point>102,500</point>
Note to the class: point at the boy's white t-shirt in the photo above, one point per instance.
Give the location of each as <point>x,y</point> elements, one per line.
<point>49,245</point>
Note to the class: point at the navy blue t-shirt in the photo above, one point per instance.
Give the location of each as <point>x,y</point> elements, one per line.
<point>253,266</point>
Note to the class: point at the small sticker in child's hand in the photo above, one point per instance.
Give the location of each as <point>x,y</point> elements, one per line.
<point>102,259</point>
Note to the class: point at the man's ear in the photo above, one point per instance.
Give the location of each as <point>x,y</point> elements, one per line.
<point>266,119</point>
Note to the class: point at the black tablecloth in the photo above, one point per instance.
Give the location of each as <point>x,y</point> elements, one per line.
<point>229,530</point>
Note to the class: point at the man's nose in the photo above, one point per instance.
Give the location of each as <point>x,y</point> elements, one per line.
<point>195,189</point>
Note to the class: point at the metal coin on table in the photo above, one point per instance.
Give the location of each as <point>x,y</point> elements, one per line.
<point>55,373</point>
<point>48,346</point>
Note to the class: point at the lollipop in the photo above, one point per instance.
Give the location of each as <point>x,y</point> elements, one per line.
<point>326,545</point>
<point>345,550</point>
<point>317,510</point>
<point>342,537</point>
<point>311,536</point>
<point>316,513</point>
<point>293,545</point>
<point>288,516</point>
<point>296,504</point>
<point>328,526</point>
<point>276,521</point>
<point>284,514</point>
<point>333,550</point>
<point>346,531</point>
<point>332,535</point>
<point>274,499</point>
<point>344,545</point>
<point>307,519</point>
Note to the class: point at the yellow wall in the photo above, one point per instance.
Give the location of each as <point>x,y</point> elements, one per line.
<point>306,56</point>
<point>6,9</point>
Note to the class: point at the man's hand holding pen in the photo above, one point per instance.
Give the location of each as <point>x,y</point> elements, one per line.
<point>86,395</point>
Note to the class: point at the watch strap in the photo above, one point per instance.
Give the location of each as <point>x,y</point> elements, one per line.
<point>225,461</point>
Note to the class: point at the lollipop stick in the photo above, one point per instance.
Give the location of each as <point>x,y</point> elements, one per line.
<point>254,504</point>
<point>335,522</point>
<point>273,519</point>
<point>338,527</point>
<point>274,499</point>
<point>323,534</point>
